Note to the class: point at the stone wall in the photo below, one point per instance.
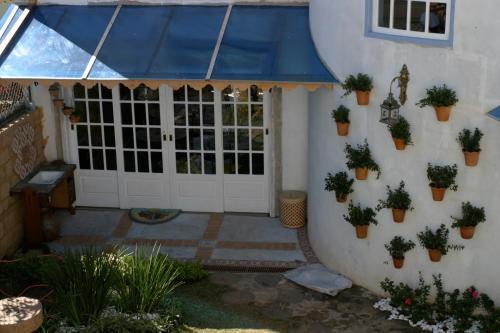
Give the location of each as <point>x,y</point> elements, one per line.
<point>11,208</point>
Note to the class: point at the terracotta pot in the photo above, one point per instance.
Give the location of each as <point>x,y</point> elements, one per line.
<point>435,255</point>
<point>398,262</point>
<point>342,129</point>
<point>341,198</point>
<point>471,158</point>
<point>362,231</point>
<point>361,173</point>
<point>438,193</point>
<point>74,119</point>
<point>467,232</point>
<point>398,215</point>
<point>363,97</point>
<point>67,111</point>
<point>443,113</point>
<point>399,143</point>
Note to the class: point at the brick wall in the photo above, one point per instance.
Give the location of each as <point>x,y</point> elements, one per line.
<point>11,208</point>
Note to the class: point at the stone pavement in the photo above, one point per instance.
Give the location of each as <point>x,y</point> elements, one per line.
<point>217,240</point>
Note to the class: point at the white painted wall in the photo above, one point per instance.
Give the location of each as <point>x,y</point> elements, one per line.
<point>294,139</point>
<point>471,67</point>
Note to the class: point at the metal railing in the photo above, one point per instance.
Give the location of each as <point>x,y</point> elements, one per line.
<point>14,100</point>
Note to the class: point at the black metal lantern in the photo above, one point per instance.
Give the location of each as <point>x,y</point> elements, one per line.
<point>389,109</point>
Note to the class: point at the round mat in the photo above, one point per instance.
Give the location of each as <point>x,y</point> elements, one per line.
<point>152,216</point>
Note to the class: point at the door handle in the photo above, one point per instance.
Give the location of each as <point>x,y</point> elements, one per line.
<point>171,137</point>
<point>164,137</point>
<point>267,131</point>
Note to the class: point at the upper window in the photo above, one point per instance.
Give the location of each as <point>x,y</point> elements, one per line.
<point>422,19</point>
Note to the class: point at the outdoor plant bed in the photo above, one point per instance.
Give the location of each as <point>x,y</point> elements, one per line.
<point>470,143</point>
<point>398,201</point>
<point>362,84</point>
<point>397,248</point>
<point>341,184</point>
<point>442,178</point>
<point>442,99</point>
<point>360,218</point>
<point>341,116</point>
<point>401,133</point>
<point>471,217</point>
<point>361,160</point>
<point>436,242</point>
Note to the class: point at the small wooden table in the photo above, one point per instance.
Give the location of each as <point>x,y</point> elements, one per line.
<point>20,315</point>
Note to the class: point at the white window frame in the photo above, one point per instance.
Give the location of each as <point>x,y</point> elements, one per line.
<point>408,33</point>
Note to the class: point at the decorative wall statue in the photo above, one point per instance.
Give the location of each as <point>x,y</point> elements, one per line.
<point>23,146</point>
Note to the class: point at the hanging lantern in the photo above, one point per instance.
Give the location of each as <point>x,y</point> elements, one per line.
<point>389,110</point>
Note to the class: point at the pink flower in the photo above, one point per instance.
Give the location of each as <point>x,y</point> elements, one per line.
<point>475,294</point>
<point>408,301</point>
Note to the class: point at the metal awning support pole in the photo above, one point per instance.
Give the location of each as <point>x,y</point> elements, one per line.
<point>219,42</point>
<point>13,31</point>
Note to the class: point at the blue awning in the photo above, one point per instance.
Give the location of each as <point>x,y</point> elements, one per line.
<point>146,43</point>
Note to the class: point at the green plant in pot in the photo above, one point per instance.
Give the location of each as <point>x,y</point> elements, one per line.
<point>360,218</point>
<point>397,248</point>
<point>442,99</point>
<point>441,178</point>
<point>340,183</point>
<point>361,160</point>
<point>436,242</point>
<point>471,147</point>
<point>398,200</point>
<point>362,84</point>
<point>471,217</point>
<point>401,133</point>
<point>341,116</point>
<point>77,115</point>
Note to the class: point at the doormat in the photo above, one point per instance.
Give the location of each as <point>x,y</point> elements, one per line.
<point>152,216</point>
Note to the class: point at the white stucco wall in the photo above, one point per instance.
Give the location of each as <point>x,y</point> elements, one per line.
<point>472,67</point>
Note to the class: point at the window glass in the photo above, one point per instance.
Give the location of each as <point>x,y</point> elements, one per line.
<point>437,18</point>
<point>400,14</point>
<point>418,16</point>
<point>384,12</point>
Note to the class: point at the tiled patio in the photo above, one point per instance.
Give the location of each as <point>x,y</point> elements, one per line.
<point>230,241</point>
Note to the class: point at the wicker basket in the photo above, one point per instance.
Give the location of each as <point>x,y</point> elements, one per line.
<point>293,209</point>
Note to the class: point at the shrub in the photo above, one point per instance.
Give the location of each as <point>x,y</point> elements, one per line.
<point>341,115</point>
<point>396,199</point>
<point>360,216</point>
<point>437,240</point>
<point>400,129</point>
<point>361,157</point>
<point>462,307</point>
<point>471,216</point>
<point>490,319</point>
<point>361,82</point>
<point>439,96</point>
<point>189,271</point>
<point>442,176</point>
<point>398,246</point>
<point>340,183</point>
<point>470,142</point>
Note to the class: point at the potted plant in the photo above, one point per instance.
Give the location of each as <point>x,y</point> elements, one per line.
<point>471,217</point>
<point>437,242</point>
<point>361,160</point>
<point>397,248</point>
<point>442,178</point>
<point>398,200</point>
<point>341,116</point>
<point>340,183</point>
<point>360,218</point>
<point>67,110</point>
<point>442,99</point>
<point>75,116</point>
<point>470,143</point>
<point>362,84</point>
<point>400,132</point>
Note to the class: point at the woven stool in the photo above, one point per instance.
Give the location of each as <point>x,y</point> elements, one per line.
<point>20,315</point>
<point>293,209</point>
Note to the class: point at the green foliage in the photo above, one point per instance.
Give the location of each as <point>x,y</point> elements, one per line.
<point>490,319</point>
<point>340,183</point>
<point>189,271</point>
<point>400,129</point>
<point>360,216</point>
<point>360,157</point>
<point>361,82</point>
<point>442,176</point>
<point>397,199</point>
<point>471,216</point>
<point>439,96</point>
<point>163,322</point>
<point>462,307</point>
<point>341,115</point>
<point>437,240</point>
<point>398,246</point>
<point>470,142</point>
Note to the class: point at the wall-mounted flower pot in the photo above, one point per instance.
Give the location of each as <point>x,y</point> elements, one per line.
<point>74,119</point>
<point>341,198</point>
<point>363,97</point>
<point>443,113</point>
<point>471,158</point>
<point>438,193</point>
<point>399,143</point>
<point>361,173</point>
<point>361,231</point>
<point>342,129</point>
<point>398,262</point>
<point>435,255</point>
<point>398,215</point>
<point>467,232</point>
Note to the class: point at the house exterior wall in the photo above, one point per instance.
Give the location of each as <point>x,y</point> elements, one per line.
<point>472,68</point>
